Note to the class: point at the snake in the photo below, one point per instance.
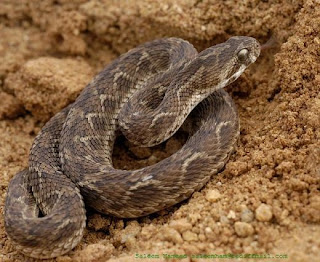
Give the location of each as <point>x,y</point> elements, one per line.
<point>147,95</point>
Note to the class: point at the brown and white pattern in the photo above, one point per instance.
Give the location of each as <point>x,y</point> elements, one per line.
<point>147,94</point>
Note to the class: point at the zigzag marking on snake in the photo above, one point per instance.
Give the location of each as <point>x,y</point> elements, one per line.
<point>147,94</point>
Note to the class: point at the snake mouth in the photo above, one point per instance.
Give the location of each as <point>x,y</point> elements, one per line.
<point>236,75</point>
<point>255,52</point>
<point>253,58</point>
<point>233,77</point>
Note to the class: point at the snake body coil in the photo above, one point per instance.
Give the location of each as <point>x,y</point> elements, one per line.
<point>147,94</point>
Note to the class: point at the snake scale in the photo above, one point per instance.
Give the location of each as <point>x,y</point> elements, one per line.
<point>146,94</point>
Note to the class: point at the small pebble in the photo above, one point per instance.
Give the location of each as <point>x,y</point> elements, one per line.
<point>172,235</point>
<point>131,231</point>
<point>208,230</point>
<point>243,229</point>
<point>231,215</point>
<point>190,236</point>
<point>224,220</point>
<point>213,195</point>
<point>180,225</point>
<point>247,215</point>
<point>264,213</point>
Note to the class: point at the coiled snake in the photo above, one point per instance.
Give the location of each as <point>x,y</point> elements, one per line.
<point>147,94</point>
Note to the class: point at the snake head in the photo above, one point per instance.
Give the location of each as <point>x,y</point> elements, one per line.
<point>245,49</point>
<point>227,61</point>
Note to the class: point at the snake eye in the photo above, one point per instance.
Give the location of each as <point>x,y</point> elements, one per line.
<point>243,55</point>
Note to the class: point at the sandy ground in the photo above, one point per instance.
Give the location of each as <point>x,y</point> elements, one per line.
<point>267,200</point>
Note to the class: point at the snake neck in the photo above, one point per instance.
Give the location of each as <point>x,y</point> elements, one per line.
<point>150,123</point>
